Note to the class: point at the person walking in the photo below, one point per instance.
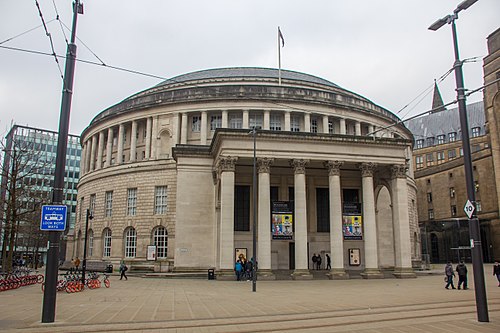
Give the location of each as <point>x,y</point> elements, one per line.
<point>462,275</point>
<point>496,271</point>
<point>123,269</point>
<point>238,268</point>
<point>448,270</point>
<point>328,261</point>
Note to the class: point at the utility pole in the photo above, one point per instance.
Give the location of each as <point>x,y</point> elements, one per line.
<point>51,269</point>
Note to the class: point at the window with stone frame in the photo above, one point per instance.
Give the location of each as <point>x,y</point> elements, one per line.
<point>440,157</point>
<point>275,122</point>
<point>108,204</point>
<point>106,243</point>
<point>256,120</point>
<point>429,197</point>
<point>235,121</point>
<point>453,210</point>
<point>195,123</point>
<point>452,192</point>
<point>294,123</point>
<point>215,122</point>
<point>130,242</point>
<point>452,154</point>
<point>440,139</point>
<point>430,141</point>
<point>92,204</point>
<point>314,125</point>
<point>431,214</point>
<point>90,235</point>
<point>131,201</point>
<point>160,200</point>
<point>419,161</point>
<point>331,128</point>
<point>429,158</point>
<point>452,137</point>
<point>420,144</point>
<point>476,131</point>
<point>160,240</point>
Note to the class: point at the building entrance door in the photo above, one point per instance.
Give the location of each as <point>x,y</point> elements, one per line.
<point>291,255</point>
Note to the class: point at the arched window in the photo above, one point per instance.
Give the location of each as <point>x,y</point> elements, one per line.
<point>160,239</point>
<point>130,243</point>
<point>106,236</point>
<point>91,242</point>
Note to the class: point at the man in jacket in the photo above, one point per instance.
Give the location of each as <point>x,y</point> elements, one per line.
<point>448,270</point>
<point>462,275</point>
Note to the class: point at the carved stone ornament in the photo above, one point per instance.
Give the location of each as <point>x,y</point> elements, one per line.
<point>226,163</point>
<point>264,164</point>
<point>367,169</point>
<point>399,170</point>
<point>299,165</point>
<point>333,167</point>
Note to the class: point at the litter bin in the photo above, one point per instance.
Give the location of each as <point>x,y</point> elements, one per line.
<point>109,268</point>
<point>211,274</point>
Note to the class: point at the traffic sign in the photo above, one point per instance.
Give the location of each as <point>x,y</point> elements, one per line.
<point>53,218</point>
<point>469,208</point>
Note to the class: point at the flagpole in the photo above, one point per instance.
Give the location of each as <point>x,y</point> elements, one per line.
<point>279,58</point>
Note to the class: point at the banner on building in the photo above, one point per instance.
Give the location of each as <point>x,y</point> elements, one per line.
<point>282,219</point>
<point>352,227</point>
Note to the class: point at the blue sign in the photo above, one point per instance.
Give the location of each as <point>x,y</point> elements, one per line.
<point>53,218</point>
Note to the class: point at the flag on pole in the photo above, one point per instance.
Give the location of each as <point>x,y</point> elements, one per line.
<point>280,45</point>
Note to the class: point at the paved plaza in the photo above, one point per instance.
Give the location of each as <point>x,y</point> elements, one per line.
<point>196,305</point>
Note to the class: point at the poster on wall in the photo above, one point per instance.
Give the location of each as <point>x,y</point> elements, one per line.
<point>352,227</point>
<point>151,252</point>
<point>240,254</point>
<point>282,220</point>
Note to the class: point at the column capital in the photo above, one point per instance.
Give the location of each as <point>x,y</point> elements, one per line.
<point>264,164</point>
<point>333,167</point>
<point>226,163</point>
<point>367,169</point>
<point>399,170</point>
<point>299,165</point>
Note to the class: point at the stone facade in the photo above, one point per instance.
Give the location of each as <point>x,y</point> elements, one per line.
<point>178,159</point>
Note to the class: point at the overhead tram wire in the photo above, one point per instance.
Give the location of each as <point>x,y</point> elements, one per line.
<point>87,47</point>
<point>60,23</point>
<point>23,33</point>
<point>50,38</point>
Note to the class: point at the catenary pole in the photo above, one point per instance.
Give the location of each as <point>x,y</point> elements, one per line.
<point>49,296</point>
<point>254,224</point>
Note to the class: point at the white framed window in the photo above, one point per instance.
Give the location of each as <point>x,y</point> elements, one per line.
<point>130,243</point>
<point>160,240</point>
<point>419,161</point>
<point>196,124</point>
<point>452,137</point>
<point>331,128</point>
<point>92,204</point>
<point>314,125</point>
<point>215,122</point>
<point>440,139</point>
<point>452,153</point>
<point>420,144</point>
<point>430,141</point>
<point>294,123</point>
<point>106,243</point>
<point>124,135</point>
<point>452,192</point>
<point>476,131</point>
<point>275,122</point>
<point>431,214</point>
<point>91,242</point>
<point>108,204</point>
<point>160,199</point>
<point>235,121</point>
<point>429,159</point>
<point>440,157</point>
<point>256,120</point>
<point>131,201</point>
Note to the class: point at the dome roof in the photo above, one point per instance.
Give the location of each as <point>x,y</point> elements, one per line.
<point>246,72</point>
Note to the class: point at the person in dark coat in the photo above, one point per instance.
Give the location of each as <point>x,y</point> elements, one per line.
<point>328,262</point>
<point>496,271</point>
<point>318,262</point>
<point>448,270</point>
<point>462,275</point>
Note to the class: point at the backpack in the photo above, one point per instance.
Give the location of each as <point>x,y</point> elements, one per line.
<point>125,268</point>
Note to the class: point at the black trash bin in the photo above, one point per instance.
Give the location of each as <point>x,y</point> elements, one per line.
<point>211,274</point>
<point>109,268</point>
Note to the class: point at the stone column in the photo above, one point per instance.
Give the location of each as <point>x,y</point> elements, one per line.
<point>287,120</point>
<point>133,141</point>
<point>246,119</point>
<point>226,168</point>
<point>225,123</point>
<point>100,149</point>
<point>264,219</point>
<point>88,152</point>
<point>119,153</point>
<point>148,136</point>
<point>358,128</point>
<point>370,227</point>
<point>203,129</point>
<point>307,122</point>
<point>337,271</point>
<point>342,126</point>
<point>325,125</point>
<point>267,116</point>
<point>301,271</point>
<point>109,148</point>
<point>93,152</point>
<point>83,159</point>
<point>154,139</point>
<point>401,223</point>
<point>370,130</point>
<point>184,128</point>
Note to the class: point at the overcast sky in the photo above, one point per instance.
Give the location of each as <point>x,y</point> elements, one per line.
<point>380,49</point>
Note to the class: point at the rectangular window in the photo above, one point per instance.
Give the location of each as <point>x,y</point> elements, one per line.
<point>235,121</point>
<point>429,159</point>
<point>275,122</point>
<point>452,192</point>
<point>108,204</point>
<point>476,131</point>
<point>440,157</point>
<point>107,243</point>
<point>124,135</point>
<point>431,214</point>
<point>294,123</point>
<point>80,213</point>
<point>430,141</point>
<point>131,201</point>
<point>429,197</point>
<point>440,139</point>
<point>160,199</point>
<point>314,125</point>
<point>478,206</point>
<point>452,137</point>
<point>196,124</point>
<point>420,144</point>
<point>322,210</point>
<point>331,128</point>
<point>242,208</point>
<point>419,161</point>
<point>215,122</point>
<point>476,185</point>
<point>452,154</point>
<point>475,148</point>
<point>92,204</point>
<point>256,120</point>
<point>453,210</point>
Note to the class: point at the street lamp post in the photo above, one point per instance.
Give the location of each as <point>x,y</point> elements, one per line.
<point>254,224</point>
<point>475,237</point>
<point>84,264</point>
